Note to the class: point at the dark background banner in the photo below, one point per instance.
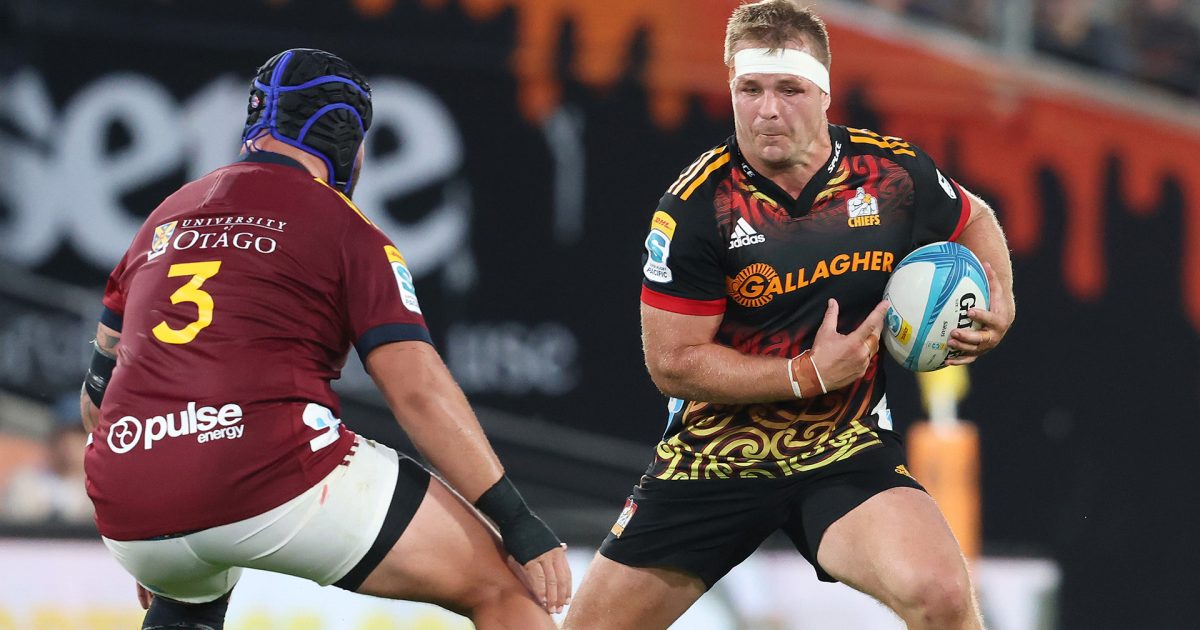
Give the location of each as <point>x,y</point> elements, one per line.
<point>518,152</point>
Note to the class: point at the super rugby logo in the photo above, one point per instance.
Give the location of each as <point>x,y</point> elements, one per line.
<point>206,423</point>
<point>658,248</point>
<point>404,279</point>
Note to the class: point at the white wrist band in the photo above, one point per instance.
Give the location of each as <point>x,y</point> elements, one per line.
<point>812,358</point>
<point>792,379</point>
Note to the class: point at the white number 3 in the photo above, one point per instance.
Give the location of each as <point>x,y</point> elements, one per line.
<point>321,419</point>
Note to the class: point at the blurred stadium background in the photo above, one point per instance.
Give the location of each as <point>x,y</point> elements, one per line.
<point>518,149</point>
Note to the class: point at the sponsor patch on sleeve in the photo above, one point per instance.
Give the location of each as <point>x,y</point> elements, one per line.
<point>408,291</point>
<point>658,248</point>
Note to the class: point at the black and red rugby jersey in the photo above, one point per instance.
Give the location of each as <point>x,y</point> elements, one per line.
<point>727,240</point>
<point>238,301</point>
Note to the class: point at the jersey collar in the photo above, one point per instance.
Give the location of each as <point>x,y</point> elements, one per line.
<point>802,205</point>
<point>269,157</point>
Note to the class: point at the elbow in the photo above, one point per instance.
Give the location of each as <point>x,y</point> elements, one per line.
<point>669,377</point>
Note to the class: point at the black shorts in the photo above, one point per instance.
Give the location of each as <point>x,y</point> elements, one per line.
<point>412,483</point>
<point>707,527</point>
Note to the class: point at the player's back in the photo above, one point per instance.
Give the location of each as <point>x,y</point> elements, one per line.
<point>233,309</point>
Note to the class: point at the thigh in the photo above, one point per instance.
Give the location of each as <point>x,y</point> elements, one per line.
<point>894,540</point>
<point>168,568</point>
<point>703,528</point>
<point>447,556</point>
<point>614,596</point>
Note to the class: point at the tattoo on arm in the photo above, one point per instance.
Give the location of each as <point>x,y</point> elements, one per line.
<point>107,343</point>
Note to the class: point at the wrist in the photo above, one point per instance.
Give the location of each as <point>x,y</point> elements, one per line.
<point>525,536</point>
<point>804,376</point>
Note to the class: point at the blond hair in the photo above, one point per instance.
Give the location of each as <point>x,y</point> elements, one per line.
<point>775,23</point>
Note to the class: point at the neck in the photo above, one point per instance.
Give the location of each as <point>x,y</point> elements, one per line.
<point>310,162</point>
<point>795,174</point>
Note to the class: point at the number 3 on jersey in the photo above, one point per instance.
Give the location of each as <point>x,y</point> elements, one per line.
<point>190,292</point>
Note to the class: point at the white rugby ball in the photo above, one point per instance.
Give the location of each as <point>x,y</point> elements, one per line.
<point>930,291</point>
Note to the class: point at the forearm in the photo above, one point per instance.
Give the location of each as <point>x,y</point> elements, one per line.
<point>711,372</point>
<point>88,412</point>
<point>435,415</point>
<point>106,345</point>
<point>985,238</point>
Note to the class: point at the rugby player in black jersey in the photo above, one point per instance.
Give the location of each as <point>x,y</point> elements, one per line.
<point>760,256</point>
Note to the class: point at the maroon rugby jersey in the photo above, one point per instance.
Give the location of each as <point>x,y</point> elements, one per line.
<point>237,303</point>
<point>728,241</point>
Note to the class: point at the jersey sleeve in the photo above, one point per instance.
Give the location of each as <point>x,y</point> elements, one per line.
<point>381,298</point>
<point>113,314</point>
<point>942,208</point>
<point>681,264</point>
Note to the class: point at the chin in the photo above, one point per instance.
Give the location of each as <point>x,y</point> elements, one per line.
<point>773,154</point>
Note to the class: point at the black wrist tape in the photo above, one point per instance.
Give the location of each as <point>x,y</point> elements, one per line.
<point>525,535</point>
<point>96,380</point>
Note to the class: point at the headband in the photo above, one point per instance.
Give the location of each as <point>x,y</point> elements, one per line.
<point>781,61</point>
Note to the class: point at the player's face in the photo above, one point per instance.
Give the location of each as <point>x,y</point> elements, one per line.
<point>777,116</point>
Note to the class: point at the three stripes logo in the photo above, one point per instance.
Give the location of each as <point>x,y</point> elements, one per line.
<point>744,234</point>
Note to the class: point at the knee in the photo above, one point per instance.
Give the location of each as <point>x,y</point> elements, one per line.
<point>487,598</point>
<point>937,599</point>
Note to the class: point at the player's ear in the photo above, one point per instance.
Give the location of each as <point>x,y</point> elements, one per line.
<point>825,101</point>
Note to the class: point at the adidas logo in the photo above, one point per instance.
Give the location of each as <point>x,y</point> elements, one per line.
<point>744,235</point>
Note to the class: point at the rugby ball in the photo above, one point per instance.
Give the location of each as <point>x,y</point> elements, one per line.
<point>930,292</point>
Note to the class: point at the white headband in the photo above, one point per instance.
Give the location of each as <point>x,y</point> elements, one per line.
<point>781,61</point>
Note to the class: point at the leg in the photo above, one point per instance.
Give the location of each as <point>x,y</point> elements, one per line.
<point>166,614</point>
<point>672,541</point>
<point>897,548</point>
<point>449,557</point>
<point>617,597</point>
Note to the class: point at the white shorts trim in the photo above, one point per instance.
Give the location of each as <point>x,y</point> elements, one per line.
<point>320,535</point>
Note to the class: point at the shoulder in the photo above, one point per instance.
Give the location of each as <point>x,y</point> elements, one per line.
<point>698,181</point>
<point>899,150</point>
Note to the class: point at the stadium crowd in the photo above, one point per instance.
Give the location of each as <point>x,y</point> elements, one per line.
<point>1156,42</point>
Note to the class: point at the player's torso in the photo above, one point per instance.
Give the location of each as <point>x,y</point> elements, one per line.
<point>236,295</point>
<point>232,330</point>
<point>783,259</point>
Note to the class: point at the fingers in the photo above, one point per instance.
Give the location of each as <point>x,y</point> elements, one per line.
<point>144,596</point>
<point>550,578</point>
<point>872,326</point>
<point>536,574</point>
<point>829,322</point>
<point>563,570</point>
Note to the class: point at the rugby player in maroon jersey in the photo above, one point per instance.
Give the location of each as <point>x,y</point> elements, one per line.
<point>216,442</point>
<point>759,255</point>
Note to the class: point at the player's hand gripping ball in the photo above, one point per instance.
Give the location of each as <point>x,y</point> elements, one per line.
<point>930,291</point>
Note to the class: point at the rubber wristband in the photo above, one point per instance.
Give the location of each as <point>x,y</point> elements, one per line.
<point>95,382</point>
<point>812,359</point>
<point>792,379</point>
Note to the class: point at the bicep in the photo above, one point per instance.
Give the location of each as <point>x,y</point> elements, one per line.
<point>408,373</point>
<point>666,334</point>
<point>982,233</point>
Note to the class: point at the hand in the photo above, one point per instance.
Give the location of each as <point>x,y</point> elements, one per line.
<point>843,359</point>
<point>548,577</point>
<point>144,596</point>
<point>967,344</point>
